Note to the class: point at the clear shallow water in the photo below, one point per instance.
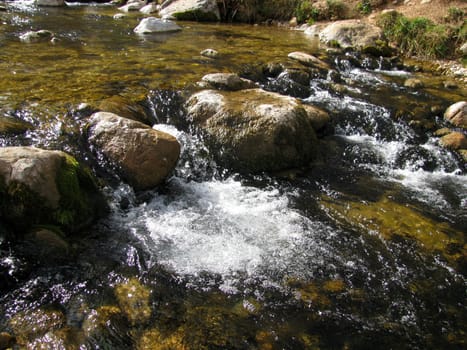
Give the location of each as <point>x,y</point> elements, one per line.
<point>365,249</point>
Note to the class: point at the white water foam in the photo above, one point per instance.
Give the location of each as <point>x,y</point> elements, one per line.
<point>225,228</point>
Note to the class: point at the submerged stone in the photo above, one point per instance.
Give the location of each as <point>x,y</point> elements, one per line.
<point>156,25</point>
<point>191,10</point>
<point>35,323</point>
<point>104,319</point>
<point>254,130</point>
<point>134,300</point>
<point>47,187</point>
<point>413,83</point>
<point>145,156</point>
<point>125,108</point>
<point>389,219</point>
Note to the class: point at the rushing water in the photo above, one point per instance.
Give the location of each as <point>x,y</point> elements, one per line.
<point>363,249</point>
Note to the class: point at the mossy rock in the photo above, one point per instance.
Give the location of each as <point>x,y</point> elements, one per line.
<point>41,187</point>
<point>28,325</point>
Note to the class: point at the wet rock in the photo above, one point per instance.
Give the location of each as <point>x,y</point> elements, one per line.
<point>6,340</point>
<point>211,53</point>
<point>227,81</point>
<point>47,187</point>
<point>352,34</point>
<point>463,154</point>
<point>133,5</point>
<point>46,244</point>
<point>191,10</point>
<point>134,300</point>
<point>291,82</point>
<point>125,108</point>
<point>156,25</point>
<point>145,156</point>
<point>456,114</point>
<point>254,130</point>
<point>308,60</point>
<point>150,8</point>
<point>413,83</point>
<point>50,3</point>
<point>10,125</point>
<point>35,323</point>
<point>454,141</point>
<point>36,36</point>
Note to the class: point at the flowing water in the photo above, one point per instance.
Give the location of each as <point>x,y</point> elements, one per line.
<point>363,249</point>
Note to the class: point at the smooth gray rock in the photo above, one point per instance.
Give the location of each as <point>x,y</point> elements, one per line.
<point>156,25</point>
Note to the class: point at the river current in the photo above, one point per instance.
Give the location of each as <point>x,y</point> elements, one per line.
<point>364,249</point>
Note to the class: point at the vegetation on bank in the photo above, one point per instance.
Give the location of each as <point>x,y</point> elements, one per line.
<point>414,37</point>
<point>423,38</point>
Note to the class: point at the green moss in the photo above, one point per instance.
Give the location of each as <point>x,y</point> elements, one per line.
<point>76,186</point>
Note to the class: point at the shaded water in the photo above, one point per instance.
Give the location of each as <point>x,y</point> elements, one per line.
<point>364,249</point>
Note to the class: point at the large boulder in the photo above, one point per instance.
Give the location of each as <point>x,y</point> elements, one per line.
<point>156,25</point>
<point>46,187</point>
<point>308,60</point>
<point>133,5</point>
<point>456,114</point>
<point>191,10</point>
<point>144,155</point>
<point>352,34</point>
<point>254,130</point>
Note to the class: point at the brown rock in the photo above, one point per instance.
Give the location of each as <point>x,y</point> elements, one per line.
<point>146,156</point>
<point>454,141</point>
<point>125,108</point>
<point>456,114</point>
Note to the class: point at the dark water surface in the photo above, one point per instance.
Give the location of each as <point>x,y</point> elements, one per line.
<point>365,249</point>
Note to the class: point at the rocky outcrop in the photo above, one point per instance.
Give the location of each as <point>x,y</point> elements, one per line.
<point>352,34</point>
<point>191,10</point>
<point>456,114</point>
<point>227,81</point>
<point>144,155</point>
<point>46,187</point>
<point>156,25</point>
<point>254,130</point>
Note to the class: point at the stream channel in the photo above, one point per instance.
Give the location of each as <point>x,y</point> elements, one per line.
<point>363,249</point>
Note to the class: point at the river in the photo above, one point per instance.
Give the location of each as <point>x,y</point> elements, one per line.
<point>364,249</point>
